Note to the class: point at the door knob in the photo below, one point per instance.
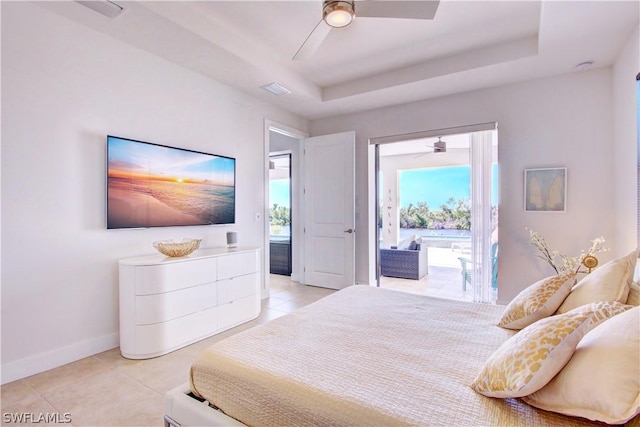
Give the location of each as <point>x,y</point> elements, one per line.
<point>351,230</point>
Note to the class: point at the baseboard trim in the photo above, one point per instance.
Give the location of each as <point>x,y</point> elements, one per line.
<point>22,368</point>
<point>372,283</point>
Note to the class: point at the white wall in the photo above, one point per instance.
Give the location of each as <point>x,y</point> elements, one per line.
<point>64,88</point>
<point>561,121</point>
<point>625,141</point>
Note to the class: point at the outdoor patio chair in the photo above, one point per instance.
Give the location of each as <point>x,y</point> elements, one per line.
<point>411,263</point>
<point>467,268</point>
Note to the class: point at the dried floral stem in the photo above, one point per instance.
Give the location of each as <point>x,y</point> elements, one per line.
<point>568,264</point>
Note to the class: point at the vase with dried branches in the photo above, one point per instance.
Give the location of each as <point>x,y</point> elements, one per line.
<point>563,264</point>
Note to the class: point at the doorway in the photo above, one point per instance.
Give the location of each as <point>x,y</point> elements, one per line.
<point>280,139</point>
<point>322,213</point>
<point>430,189</point>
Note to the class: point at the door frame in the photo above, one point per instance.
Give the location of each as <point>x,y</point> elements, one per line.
<point>374,160</point>
<point>274,126</point>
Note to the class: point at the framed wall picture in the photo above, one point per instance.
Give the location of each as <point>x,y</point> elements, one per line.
<point>545,190</point>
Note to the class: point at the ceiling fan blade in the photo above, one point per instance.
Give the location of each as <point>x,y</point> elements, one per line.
<point>313,41</point>
<point>403,9</point>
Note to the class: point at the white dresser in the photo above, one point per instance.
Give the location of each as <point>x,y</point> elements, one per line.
<point>168,303</point>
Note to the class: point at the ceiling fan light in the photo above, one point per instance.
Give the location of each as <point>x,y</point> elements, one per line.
<point>338,14</point>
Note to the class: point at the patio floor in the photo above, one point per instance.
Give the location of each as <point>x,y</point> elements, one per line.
<point>444,279</point>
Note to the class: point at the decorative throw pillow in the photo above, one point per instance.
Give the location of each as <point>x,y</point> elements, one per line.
<point>601,382</point>
<point>601,311</point>
<point>528,360</point>
<point>611,282</point>
<point>537,301</point>
<point>634,294</point>
<point>404,243</point>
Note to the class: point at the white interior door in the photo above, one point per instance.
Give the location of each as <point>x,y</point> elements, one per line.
<point>329,206</point>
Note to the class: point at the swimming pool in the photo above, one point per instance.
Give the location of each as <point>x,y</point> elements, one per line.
<point>438,238</point>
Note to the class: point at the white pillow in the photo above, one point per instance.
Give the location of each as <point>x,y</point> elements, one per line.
<point>634,294</point>
<point>601,382</point>
<point>537,301</point>
<point>611,282</point>
<point>404,243</point>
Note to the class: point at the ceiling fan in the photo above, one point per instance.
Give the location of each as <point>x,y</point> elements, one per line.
<point>341,13</point>
<point>439,146</point>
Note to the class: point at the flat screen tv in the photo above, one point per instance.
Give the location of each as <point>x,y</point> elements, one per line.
<point>151,185</point>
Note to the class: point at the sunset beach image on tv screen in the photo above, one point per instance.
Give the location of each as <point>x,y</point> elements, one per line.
<point>151,185</point>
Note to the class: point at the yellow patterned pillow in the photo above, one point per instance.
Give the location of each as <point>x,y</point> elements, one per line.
<point>611,282</point>
<point>537,301</point>
<point>601,382</point>
<point>601,311</point>
<point>531,358</point>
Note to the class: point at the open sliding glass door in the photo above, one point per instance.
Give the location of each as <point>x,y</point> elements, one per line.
<point>482,157</point>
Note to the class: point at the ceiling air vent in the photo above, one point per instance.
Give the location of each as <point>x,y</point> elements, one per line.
<point>103,7</point>
<point>276,89</point>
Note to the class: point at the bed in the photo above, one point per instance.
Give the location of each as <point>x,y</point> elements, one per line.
<point>361,356</point>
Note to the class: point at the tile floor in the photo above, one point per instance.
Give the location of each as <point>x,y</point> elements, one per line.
<point>109,390</point>
<point>443,281</point>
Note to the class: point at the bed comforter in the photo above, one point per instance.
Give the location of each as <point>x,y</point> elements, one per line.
<point>364,356</point>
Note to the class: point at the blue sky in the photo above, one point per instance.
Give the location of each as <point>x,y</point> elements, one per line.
<point>159,160</point>
<point>279,192</point>
<point>433,186</point>
<point>436,185</point>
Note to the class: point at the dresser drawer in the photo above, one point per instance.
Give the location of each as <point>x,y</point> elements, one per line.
<point>155,279</point>
<point>238,287</point>
<point>161,338</point>
<point>238,311</point>
<point>238,264</point>
<point>158,308</point>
